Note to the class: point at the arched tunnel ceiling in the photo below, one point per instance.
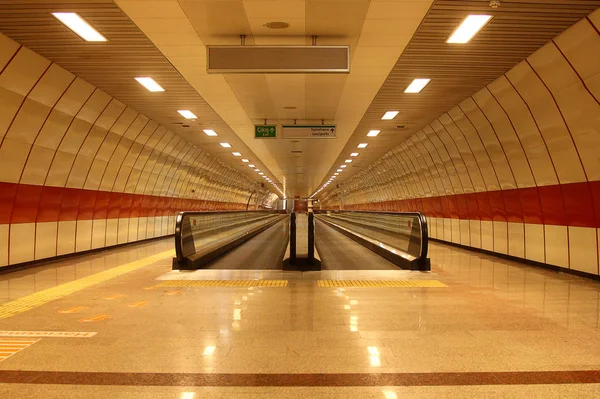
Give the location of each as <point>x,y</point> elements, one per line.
<point>166,39</point>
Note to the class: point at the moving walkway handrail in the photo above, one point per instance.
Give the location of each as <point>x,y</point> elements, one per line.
<point>180,239</point>
<point>423,236</point>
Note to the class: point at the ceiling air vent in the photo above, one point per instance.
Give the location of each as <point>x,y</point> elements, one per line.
<point>278,59</point>
<point>296,152</point>
<point>400,126</point>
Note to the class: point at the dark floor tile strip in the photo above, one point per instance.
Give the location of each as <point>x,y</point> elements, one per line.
<point>300,380</point>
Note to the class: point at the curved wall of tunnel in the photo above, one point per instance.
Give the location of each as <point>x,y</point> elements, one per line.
<point>513,169</point>
<point>80,170</point>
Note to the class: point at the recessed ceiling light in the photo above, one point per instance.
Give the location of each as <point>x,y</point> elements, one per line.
<point>187,114</point>
<point>348,160</point>
<point>252,166</point>
<point>373,133</point>
<point>78,25</point>
<point>417,85</point>
<point>149,84</point>
<point>236,154</point>
<point>257,170</point>
<point>468,28</point>
<point>335,174</point>
<point>245,160</point>
<point>354,154</point>
<point>389,115</point>
<point>261,173</point>
<point>225,145</point>
<point>343,166</point>
<point>339,170</point>
<point>362,145</point>
<point>210,132</point>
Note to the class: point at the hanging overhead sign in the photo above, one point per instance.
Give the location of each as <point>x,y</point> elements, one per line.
<point>308,131</point>
<point>265,131</point>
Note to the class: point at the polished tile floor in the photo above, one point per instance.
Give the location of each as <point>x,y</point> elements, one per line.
<point>499,329</point>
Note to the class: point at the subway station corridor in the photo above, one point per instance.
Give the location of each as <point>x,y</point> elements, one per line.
<point>299,198</point>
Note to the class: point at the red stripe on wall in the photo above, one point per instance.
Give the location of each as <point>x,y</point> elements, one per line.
<point>24,203</point>
<point>573,204</point>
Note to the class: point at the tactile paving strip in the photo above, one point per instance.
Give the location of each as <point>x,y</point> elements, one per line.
<point>223,283</point>
<point>39,298</point>
<point>381,284</point>
<point>10,346</point>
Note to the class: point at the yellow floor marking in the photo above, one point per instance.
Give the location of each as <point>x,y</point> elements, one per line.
<point>59,334</point>
<point>171,293</point>
<point>151,288</point>
<point>9,347</point>
<point>137,304</point>
<point>381,283</point>
<point>73,310</point>
<point>36,299</point>
<point>224,283</point>
<point>95,318</point>
<point>115,296</point>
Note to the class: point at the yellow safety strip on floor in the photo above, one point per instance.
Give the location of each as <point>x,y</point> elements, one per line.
<point>223,283</point>
<point>10,346</point>
<point>380,284</point>
<point>39,298</point>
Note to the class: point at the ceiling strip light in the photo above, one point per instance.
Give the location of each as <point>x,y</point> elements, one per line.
<point>362,145</point>
<point>389,115</point>
<point>373,133</point>
<point>468,28</point>
<point>187,114</point>
<point>210,132</point>
<point>78,25</point>
<point>149,84</point>
<point>225,145</point>
<point>236,154</point>
<point>417,85</point>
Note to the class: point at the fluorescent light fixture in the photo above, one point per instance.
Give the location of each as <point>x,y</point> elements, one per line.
<point>78,25</point>
<point>468,28</point>
<point>236,154</point>
<point>252,166</point>
<point>187,114</point>
<point>340,170</point>
<point>225,145</point>
<point>257,170</point>
<point>354,154</point>
<point>417,85</point>
<point>389,115</point>
<point>245,160</point>
<point>373,133</point>
<point>348,160</point>
<point>210,132</point>
<point>335,174</point>
<point>343,166</point>
<point>362,145</point>
<point>261,173</point>
<point>149,84</point>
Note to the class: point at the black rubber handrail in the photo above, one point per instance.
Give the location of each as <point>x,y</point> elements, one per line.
<point>179,256</point>
<point>423,243</point>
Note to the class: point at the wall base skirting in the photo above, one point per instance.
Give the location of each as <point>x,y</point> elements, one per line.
<point>59,258</point>
<point>522,261</point>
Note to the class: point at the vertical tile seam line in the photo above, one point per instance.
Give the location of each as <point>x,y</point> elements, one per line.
<point>467,169</point>
<point>417,139</point>
<point>507,162</point>
<point>27,161</point>
<point>598,102</point>
<point>177,168</point>
<point>1,72</point>
<point>482,178</point>
<point>576,151</point>
<point>535,121</point>
<point>10,224</point>
<point>528,164</point>
<point>150,155</point>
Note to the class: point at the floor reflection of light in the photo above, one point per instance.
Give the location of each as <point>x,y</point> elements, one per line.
<point>244,298</point>
<point>237,314</point>
<point>209,350</point>
<point>188,395</point>
<point>353,323</point>
<point>374,356</point>
<point>354,302</point>
<point>347,307</point>
<point>390,395</point>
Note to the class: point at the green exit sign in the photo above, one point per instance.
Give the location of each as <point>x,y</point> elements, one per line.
<point>265,132</point>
